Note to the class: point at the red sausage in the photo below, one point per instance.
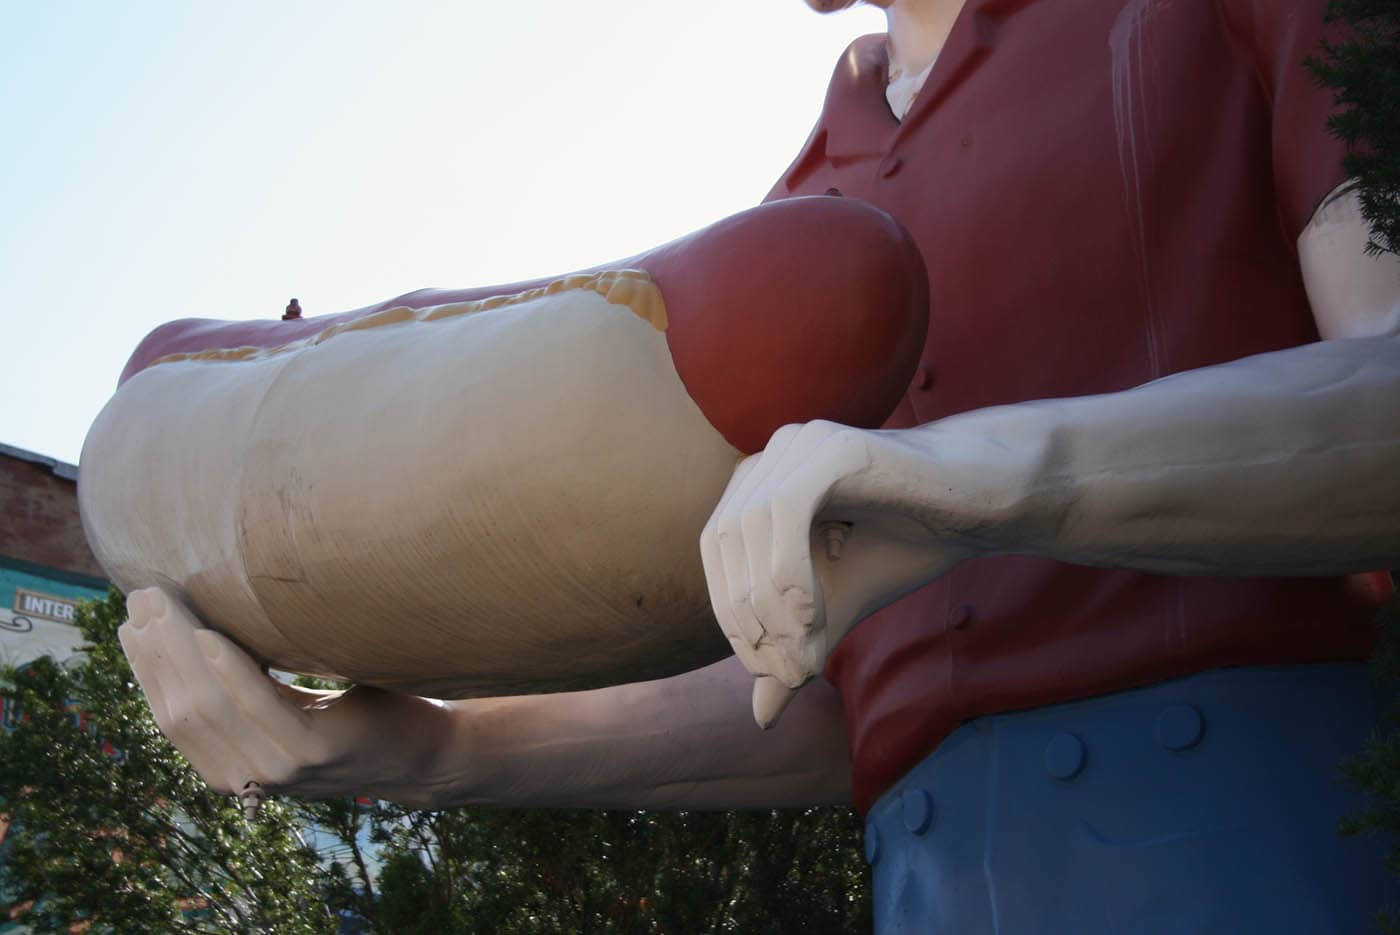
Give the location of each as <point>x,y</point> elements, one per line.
<point>801,309</point>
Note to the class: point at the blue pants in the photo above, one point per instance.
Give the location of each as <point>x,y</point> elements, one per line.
<point>1204,805</point>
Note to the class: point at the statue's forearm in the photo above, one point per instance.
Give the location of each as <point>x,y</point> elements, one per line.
<point>684,742</point>
<point>1285,463</point>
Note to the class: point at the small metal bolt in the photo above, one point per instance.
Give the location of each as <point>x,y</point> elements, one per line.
<point>834,535</point>
<point>251,798</point>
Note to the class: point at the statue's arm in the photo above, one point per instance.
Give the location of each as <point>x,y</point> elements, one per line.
<point>682,742</point>
<point>1279,464</point>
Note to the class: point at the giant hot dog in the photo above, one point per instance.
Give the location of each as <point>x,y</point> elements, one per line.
<point>495,490</point>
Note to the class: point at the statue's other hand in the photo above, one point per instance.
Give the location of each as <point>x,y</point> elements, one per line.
<point>811,537</point>
<point>235,724</point>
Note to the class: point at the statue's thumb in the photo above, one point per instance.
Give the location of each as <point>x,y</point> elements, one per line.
<point>770,697</point>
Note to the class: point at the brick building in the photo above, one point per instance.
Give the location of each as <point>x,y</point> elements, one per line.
<point>46,567</point>
<point>45,563</point>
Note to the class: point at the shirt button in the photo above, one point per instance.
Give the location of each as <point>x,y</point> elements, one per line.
<point>961,618</point>
<point>891,165</point>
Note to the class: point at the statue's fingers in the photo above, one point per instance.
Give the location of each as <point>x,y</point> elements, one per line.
<point>145,605</point>
<point>718,587</point>
<point>805,491</point>
<point>193,704</point>
<point>786,659</point>
<point>747,655</point>
<point>738,482</point>
<point>756,529</point>
<point>160,653</point>
<point>755,470</point>
<point>262,719</point>
<point>736,595</point>
<point>798,572</point>
<point>777,523</point>
<point>132,636</point>
<point>770,698</point>
<point>770,661</point>
<point>206,720</point>
<point>791,574</point>
<point>711,555</point>
<point>781,650</point>
<point>722,542</point>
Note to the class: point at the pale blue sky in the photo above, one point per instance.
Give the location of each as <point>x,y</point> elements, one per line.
<point>166,159</point>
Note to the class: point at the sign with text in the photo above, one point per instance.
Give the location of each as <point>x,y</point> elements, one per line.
<point>44,606</point>
<point>22,638</point>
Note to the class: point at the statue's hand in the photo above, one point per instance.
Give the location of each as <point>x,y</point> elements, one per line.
<point>237,725</point>
<point>813,534</point>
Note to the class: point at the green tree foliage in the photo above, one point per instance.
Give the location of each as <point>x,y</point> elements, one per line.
<point>527,871</point>
<point>113,826</point>
<point>1363,69</point>
<point>518,872</point>
<point>1376,771</point>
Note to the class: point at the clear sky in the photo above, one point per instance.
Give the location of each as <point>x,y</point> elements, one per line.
<point>172,158</point>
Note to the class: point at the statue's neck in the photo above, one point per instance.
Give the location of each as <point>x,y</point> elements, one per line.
<point>918,29</point>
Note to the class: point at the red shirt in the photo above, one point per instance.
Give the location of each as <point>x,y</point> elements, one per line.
<point>1104,192</point>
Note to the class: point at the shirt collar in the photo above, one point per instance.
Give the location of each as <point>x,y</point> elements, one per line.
<point>857,117</point>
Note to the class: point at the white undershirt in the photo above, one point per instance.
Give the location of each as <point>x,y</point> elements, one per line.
<point>902,89</point>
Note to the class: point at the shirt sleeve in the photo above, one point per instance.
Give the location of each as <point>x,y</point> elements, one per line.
<point>1279,36</point>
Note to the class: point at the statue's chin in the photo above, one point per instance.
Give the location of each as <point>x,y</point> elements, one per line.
<point>830,6</point>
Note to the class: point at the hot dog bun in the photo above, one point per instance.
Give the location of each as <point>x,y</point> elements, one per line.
<point>492,491</point>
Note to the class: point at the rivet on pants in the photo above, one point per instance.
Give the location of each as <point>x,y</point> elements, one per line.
<point>917,806</point>
<point>1180,727</point>
<point>1064,757</point>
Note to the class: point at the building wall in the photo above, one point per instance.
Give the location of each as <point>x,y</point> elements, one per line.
<point>39,513</point>
<point>45,563</point>
<point>45,568</point>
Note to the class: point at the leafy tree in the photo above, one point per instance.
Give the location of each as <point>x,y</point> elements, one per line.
<point>116,828</point>
<point>523,871</point>
<point>509,871</point>
<point>1376,771</point>
<point>113,826</point>
<point>1363,69</point>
